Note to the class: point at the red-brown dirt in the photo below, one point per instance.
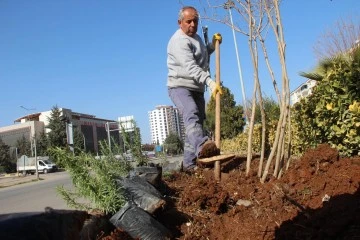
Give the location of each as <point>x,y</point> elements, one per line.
<point>318,197</point>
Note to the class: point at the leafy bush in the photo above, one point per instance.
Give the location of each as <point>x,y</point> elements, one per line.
<point>238,144</point>
<point>331,113</point>
<point>173,144</point>
<point>94,179</point>
<point>9,167</point>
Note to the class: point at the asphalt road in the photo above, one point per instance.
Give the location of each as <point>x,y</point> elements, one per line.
<point>25,194</point>
<point>34,196</point>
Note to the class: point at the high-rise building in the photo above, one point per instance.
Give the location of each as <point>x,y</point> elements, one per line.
<point>164,120</point>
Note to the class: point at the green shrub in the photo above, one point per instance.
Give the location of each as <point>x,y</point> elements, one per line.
<point>94,180</point>
<point>330,115</point>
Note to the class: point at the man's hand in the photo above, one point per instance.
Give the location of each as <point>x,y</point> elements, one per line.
<point>215,88</point>
<point>216,37</point>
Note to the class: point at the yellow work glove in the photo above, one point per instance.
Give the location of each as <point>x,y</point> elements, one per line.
<point>214,88</point>
<point>216,37</point>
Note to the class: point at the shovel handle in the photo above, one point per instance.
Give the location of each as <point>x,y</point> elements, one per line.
<point>217,109</point>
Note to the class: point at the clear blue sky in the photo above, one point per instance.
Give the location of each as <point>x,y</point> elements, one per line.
<point>108,58</point>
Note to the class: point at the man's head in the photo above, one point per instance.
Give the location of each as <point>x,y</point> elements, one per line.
<point>188,20</point>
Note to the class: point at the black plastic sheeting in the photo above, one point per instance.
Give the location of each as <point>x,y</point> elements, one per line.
<point>152,174</point>
<point>142,193</point>
<point>48,225</point>
<point>139,224</point>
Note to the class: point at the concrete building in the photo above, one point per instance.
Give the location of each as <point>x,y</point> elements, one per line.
<point>29,129</point>
<point>302,91</point>
<point>92,128</point>
<point>164,120</point>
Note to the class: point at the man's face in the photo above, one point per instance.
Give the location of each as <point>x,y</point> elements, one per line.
<point>189,24</point>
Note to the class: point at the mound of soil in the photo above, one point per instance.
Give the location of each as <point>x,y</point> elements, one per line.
<point>318,197</point>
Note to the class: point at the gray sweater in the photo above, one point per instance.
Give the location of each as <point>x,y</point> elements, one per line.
<point>187,61</point>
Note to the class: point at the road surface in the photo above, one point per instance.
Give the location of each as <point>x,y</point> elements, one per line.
<point>36,195</point>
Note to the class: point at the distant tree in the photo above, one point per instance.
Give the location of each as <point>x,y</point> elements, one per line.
<point>57,125</point>
<point>173,144</point>
<point>79,144</point>
<point>136,147</point>
<point>231,116</point>
<point>42,144</point>
<point>271,108</point>
<point>23,146</point>
<point>5,161</point>
<point>148,147</point>
<point>4,152</point>
<point>132,142</point>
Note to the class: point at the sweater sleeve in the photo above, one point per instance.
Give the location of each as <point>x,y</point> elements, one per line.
<point>185,56</point>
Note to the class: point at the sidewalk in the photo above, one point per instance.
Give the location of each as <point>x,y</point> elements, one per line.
<point>7,180</point>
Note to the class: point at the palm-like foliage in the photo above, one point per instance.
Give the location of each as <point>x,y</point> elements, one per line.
<point>351,59</point>
<point>327,111</point>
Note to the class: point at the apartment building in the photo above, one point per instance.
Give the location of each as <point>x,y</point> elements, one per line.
<point>302,91</point>
<point>164,120</point>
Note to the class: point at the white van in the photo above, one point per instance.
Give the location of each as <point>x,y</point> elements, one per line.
<point>26,165</point>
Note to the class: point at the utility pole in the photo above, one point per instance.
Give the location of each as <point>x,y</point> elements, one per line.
<point>107,127</point>
<point>227,6</point>
<point>27,120</point>
<point>84,142</point>
<point>36,162</point>
<point>31,142</point>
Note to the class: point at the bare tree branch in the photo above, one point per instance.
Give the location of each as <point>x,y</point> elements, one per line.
<point>338,39</point>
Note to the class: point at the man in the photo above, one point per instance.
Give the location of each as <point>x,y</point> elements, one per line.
<point>188,74</point>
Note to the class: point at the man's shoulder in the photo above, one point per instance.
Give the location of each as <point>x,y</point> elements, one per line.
<point>179,36</point>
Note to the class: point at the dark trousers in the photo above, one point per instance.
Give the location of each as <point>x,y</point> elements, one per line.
<point>191,106</point>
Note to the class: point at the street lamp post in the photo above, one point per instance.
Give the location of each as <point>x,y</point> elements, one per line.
<point>27,119</point>
<point>28,110</point>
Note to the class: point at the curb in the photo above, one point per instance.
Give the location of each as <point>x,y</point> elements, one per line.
<point>15,180</point>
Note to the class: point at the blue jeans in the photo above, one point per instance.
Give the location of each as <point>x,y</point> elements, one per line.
<point>191,106</point>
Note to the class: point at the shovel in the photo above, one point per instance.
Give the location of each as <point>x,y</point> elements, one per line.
<point>217,159</point>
